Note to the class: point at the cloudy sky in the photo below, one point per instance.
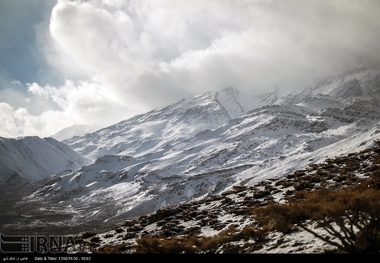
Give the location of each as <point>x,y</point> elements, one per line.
<point>72,62</point>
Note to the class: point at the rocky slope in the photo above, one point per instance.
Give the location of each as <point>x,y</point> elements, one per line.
<point>231,212</point>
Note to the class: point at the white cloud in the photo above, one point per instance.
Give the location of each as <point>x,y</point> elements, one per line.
<point>37,90</point>
<point>120,41</point>
<point>16,122</point>
<point>124,57</point>
<point>76,103</point>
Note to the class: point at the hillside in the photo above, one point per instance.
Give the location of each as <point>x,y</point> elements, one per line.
<point>227,223</point>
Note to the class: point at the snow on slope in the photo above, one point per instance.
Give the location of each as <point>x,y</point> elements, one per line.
<point>33,158</point>
<point>233,208</point>
<point>150,132</point>
<point>203,145</point>
<point>166,127</point>
<point>279,167</point>
<point>228,99</point>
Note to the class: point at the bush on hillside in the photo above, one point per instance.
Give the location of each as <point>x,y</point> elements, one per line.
<point>352,216</point>
<point>190,244</point>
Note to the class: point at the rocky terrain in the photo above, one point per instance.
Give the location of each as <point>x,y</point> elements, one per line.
<point>231,214</point>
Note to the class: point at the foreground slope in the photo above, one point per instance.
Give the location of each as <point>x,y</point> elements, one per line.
<point>228,222</point>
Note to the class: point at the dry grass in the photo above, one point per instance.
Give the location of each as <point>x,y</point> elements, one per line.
<point>191,244</point>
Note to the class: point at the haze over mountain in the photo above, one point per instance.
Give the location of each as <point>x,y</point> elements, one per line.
<point>75,130</point>
<point>206,144</point>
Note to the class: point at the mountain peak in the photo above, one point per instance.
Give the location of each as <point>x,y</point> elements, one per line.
<point>228,99</point>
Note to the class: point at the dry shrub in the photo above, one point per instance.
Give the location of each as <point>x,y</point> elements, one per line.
<point>250,232</point>
<point>352,216</point>
<point>375,173</point>
<point>261,193</point>
<point>239,188</point>
<point>372,183</point>
<point>190,244</point>
<point>173,245</point>
<point>303,184</point>
<point>112,249</point>
<point>280,182</point>
<point>377,142</point>
<point>278,216</point>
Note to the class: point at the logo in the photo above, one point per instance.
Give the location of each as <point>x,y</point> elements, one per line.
<point>14,244</point>
<point>39,244</point>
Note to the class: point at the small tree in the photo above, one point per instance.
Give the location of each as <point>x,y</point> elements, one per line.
<point>352,216</point>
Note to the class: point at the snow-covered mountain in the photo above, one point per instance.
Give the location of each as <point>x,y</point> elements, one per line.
<point>204,145</point>
<point>33,158</point>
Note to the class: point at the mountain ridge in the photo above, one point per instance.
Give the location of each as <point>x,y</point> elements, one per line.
<point>201,146</point>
